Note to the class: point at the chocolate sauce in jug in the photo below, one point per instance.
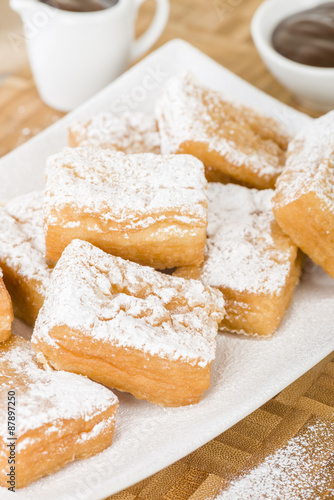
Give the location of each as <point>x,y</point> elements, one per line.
<point>81,5</point>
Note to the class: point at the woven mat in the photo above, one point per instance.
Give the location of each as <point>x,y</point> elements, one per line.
<point>221,29</point>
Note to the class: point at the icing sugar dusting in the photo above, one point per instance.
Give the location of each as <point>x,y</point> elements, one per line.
<point>22,244</point>
<point>121,303</point>
<point>45,397</point>
<point>310,164</point>
<point>135,190</point>
<point>127,132</point>
<point>241,252</point>
<point>28,211</point>
<point>189,112</point>
<point>297,471</point>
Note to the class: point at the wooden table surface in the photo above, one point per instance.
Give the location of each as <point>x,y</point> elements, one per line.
<point>304,412</point>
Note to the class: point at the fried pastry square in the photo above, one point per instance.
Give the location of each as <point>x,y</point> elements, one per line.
<point>6,312</point>
<point>22,249</point>
<point>235,143</point>
<point>60,416</point>
<point>128,132</point>
<point>304,199</point>
<point>129,327</point>
<point>146,208</point>
<point>248,258</point>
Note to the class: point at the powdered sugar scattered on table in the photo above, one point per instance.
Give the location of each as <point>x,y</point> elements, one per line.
<point>241,253</point>
<point>45,397</point>
<point>310,164</point>
<point>189,112</point>
<point>296,471</point>
<point>22,243</point>
<point>128,132</point>
<point>134,190</point>
<point>121,303</point>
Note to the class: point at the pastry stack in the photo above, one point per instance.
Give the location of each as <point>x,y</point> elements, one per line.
<point>153,233</point>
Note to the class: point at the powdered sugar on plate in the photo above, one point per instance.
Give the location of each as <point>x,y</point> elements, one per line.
<point>310,164</point>
<point>132,190</point>
<point>45,397</point>
<point>241,253</point>
<point>128,132</point>
<point>118,302</point>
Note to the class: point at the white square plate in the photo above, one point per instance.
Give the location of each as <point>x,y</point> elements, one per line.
<point>247,372</point>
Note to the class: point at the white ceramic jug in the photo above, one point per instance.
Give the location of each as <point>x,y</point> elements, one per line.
<point>75,54</point>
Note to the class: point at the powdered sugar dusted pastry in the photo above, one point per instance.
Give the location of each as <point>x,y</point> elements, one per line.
<point>22,250</point>
<point>233,141</point>
<point>60,416</point>
<point>6,312</point>
<point>304,199</point>
<point>248,258</point>
<point>146,208</point>
<point>129,327</point>
<point>127,132</point>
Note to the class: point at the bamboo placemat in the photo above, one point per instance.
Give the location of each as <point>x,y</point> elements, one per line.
<point>221,29</point>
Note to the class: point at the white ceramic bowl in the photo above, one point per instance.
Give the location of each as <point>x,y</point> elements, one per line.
<point>312,86</point>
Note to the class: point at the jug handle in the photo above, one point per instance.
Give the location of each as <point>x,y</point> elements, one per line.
<point>151,35</point>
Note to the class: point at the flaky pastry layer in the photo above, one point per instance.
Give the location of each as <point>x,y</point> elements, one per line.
<point>60,417</point>
<point>145,208</point>
<point>304,199</point>
<point>231,139</point>
<point>248,258</point>
<point>129,327</point>
<point>6,312</point>
<point>128,132</point>
<point>22,254</point>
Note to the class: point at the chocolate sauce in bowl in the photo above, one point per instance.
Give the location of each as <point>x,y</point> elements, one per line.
<point>308,36</point>
<point>81,5</point>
